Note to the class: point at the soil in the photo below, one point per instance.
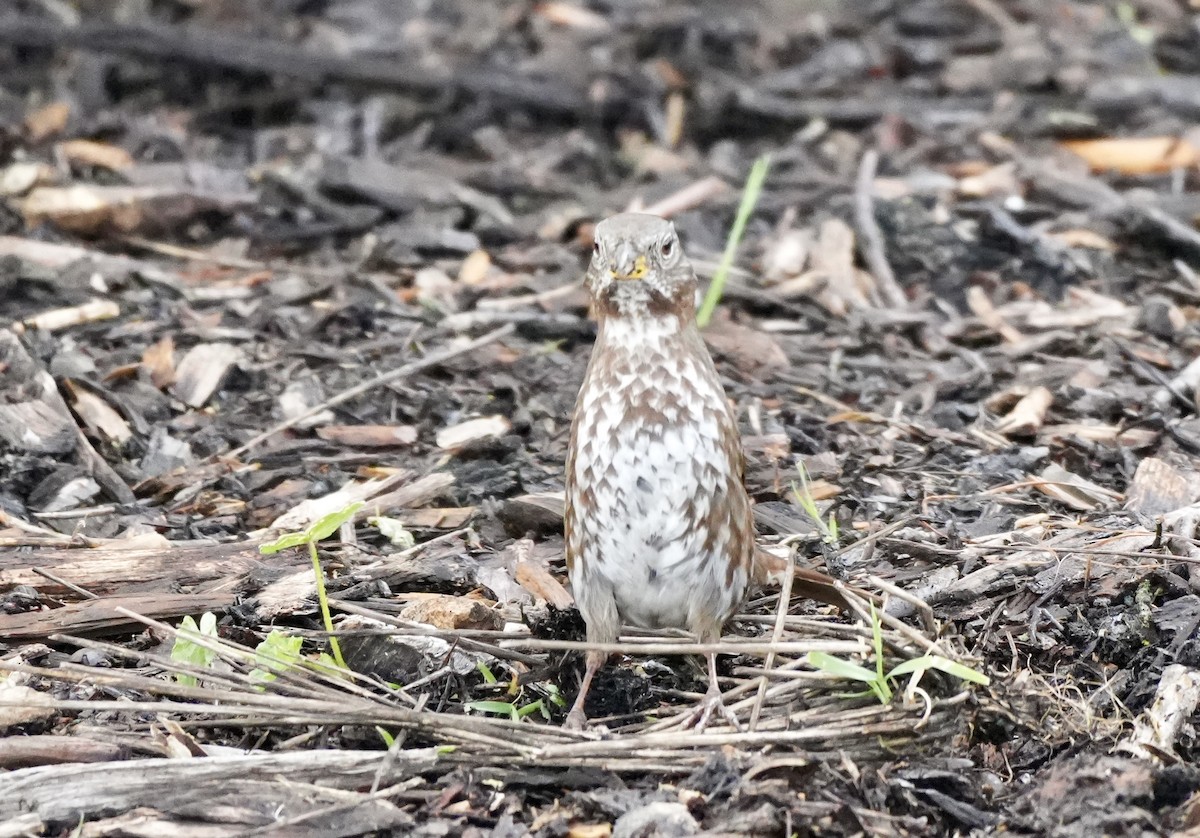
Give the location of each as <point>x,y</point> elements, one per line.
<point>258,261</point>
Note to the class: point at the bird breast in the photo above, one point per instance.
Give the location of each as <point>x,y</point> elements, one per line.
<point>654,479</point>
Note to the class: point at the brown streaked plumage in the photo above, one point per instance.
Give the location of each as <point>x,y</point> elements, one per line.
<point>659,530</point>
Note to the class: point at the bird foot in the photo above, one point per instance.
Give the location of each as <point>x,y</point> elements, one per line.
<point>576,721</point>
<point>710,704</point>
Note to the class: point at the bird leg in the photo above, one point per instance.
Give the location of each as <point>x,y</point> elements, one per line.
<point>577,719</point>
<point>711,703</point>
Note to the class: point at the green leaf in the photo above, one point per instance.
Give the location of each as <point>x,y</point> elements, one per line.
<point>186,650</point>
<point>327,525</point>
<point>841,668</point>
<point>958,670</point>
<point>276,653</point>
<point>531,708</point>
<point>285,541</point>
<point>442,750</point>
<point>488,677</point>
<point>387,738</point>
<point>499,708</point>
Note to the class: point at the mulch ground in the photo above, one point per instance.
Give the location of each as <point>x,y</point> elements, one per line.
<point>259,262</point>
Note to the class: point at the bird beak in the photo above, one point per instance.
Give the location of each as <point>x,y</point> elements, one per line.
<point>627,263</point>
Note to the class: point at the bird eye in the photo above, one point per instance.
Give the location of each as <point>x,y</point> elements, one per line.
<point>667,248</point>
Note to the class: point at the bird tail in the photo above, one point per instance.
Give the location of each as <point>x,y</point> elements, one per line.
<point>769,570</point>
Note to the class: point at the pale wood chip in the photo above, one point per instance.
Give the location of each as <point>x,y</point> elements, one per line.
<point>452,612</point>
<point>981,307</point>
<point>370,436</point>
<point>92,153</point>
<point>202,370</point>
<point>457,436</point>
<point>1159,488</point>
<point>58,319</point>
<point>98,414</point>
<point>1076,492</point>
<point>1028,415</point>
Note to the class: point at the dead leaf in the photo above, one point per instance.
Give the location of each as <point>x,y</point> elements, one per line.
<point>159,362</point>
<point>1135,155</point>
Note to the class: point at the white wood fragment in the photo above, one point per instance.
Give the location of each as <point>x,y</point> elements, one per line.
<point>464,433</point>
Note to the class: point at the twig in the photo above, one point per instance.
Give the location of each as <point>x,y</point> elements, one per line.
<point>388,377</point>
<point>785,598</point>
<point>870,234</point>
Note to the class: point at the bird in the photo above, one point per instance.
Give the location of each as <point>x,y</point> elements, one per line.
<point>659,529</point>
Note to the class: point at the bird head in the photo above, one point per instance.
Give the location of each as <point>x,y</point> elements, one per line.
<point>638,269</point>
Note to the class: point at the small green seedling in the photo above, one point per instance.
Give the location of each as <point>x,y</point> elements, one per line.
<point>187,650</point>
<point>879,682</point>
<point>319,530</point>
<point>828,527</point>
<point>750,194</point>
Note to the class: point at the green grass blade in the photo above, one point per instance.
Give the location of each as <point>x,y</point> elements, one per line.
<point>750,193</point>
<point>963,673</point>
<point>841,668</point>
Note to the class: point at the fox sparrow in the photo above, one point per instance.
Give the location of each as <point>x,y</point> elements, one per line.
<point>659,531</point>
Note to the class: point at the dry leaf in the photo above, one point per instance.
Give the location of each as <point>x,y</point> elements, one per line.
<point>159,362</point>
<point>1136,155</point>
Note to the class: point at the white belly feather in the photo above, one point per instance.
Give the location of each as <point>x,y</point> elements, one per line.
<point>652,474</point>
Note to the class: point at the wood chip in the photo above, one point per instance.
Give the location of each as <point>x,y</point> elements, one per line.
<point>749,349</point>
<point>452,612</point>
<point>92,153</point>
<point>1159,488</point>
<point>21,705</point>
<point>48,121</point>
<point>982,308</point>
<point>1159,727</point>
<point>202,370</point>
<point>1071,489</point>
<point>370,436</point>
<point>159,361</point>
<point>57,319</point>
<point>1028,415</point>
<point>458,436</point>
<point>1136,155</point>
<point>99,416</point>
